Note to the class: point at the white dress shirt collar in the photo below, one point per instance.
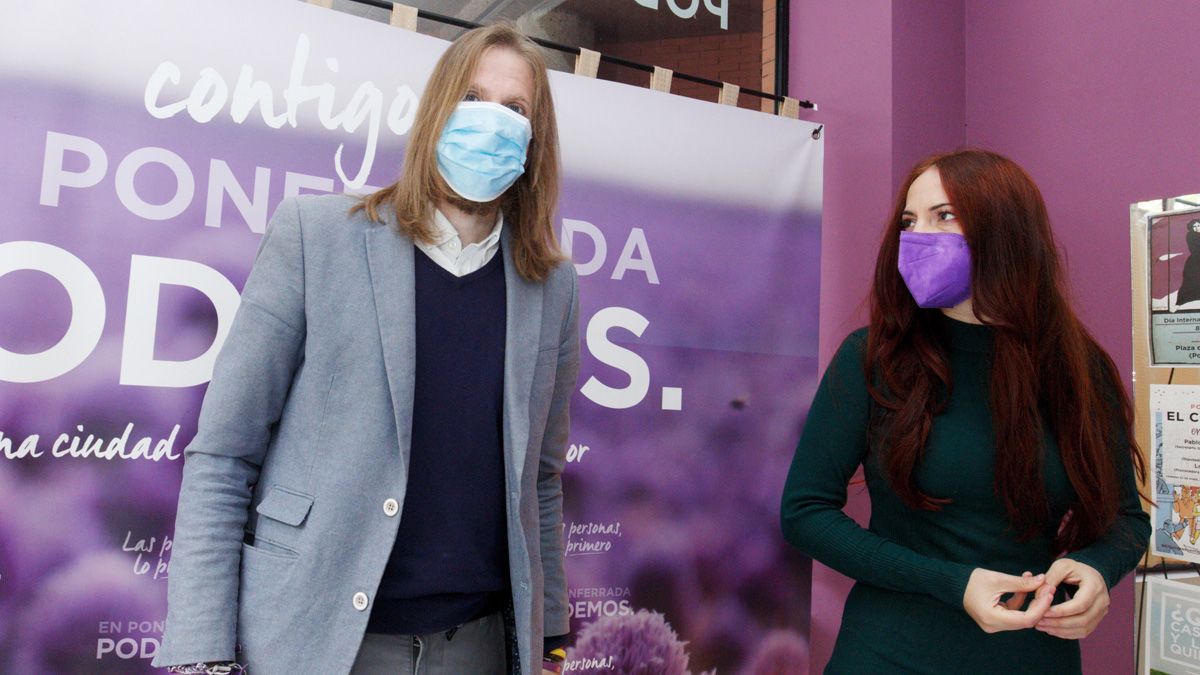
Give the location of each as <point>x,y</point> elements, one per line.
<point>449,253</point>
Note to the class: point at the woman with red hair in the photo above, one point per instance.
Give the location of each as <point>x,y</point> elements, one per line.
<point>995,436</point>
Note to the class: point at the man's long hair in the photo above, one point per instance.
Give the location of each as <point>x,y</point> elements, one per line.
<point>1046,371</point>
<point>528,206</point>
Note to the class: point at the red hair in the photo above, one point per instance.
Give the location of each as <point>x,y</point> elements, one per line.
<point>1047,371</point>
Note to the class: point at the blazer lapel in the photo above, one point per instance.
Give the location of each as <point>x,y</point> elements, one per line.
<point>522,332</point>
<point>390,258</point>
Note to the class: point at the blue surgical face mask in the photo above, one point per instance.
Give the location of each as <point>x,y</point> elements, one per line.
<point>481,152</point>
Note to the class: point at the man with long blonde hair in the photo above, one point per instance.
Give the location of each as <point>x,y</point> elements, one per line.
<point>375,483</point>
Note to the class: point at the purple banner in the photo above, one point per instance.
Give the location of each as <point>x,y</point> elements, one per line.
<point>145,146</point>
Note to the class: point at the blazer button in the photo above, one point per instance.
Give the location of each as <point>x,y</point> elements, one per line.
<point>391,507</point>
<point>360,601</point>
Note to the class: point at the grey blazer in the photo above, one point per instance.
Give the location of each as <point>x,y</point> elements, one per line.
<point>306,425</point>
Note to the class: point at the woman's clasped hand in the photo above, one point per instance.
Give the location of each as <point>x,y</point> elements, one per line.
<point>1000,602</point>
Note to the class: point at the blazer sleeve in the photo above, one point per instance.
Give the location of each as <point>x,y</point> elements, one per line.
<point>832,446</point>
<point>550,467</point>
<point>251,379</point>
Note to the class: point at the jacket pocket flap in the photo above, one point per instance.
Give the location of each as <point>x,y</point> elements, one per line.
<point>285,506</point>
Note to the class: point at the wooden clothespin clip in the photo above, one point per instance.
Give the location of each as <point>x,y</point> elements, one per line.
<point>587,63</point>
<point>661,79</point>
<point>729,94</point>
<point>404,16</point>
<point>790,108</point>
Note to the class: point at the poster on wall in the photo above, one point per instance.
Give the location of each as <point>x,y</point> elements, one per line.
<point>1175,456</point>
<point>146,144</point>
<point>1171,641</point>
<point>1174,283</point>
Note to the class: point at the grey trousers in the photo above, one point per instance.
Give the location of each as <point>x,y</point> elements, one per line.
<point>475,648</point>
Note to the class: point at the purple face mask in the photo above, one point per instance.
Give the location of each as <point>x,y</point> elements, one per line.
<point>936,267</point>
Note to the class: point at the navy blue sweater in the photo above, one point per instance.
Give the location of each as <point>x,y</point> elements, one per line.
<point>450,561</point>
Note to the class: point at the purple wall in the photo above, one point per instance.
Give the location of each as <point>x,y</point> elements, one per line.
<point>843,60</point>
<point>889,80</point>
<point>1088,97</point>
<point>1092,98</point>
<point>928,78</point>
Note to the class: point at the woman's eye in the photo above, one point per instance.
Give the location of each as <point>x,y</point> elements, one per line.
<point>471,96</point>
<point>907,224</point>
<point>517,108</point>
<point>945,215</point>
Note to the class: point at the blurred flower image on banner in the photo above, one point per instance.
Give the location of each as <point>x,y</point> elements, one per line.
<point>626,643</point>
<point>143,156</point>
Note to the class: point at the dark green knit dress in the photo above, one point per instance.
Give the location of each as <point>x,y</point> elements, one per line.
<point>905,613</point>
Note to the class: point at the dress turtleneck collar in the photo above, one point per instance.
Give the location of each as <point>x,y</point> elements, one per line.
<point>971,337</point>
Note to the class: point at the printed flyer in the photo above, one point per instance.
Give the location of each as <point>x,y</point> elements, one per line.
<point>1175,455</point>
<point>1172,619</point>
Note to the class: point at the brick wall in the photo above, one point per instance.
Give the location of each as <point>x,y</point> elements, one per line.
<point>768,53</point>
<point>744,59</point>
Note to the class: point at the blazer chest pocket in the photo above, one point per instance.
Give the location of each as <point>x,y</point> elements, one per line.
<point>281,513</point>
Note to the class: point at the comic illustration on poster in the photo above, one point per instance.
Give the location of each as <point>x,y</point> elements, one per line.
<point>1175,456</point>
